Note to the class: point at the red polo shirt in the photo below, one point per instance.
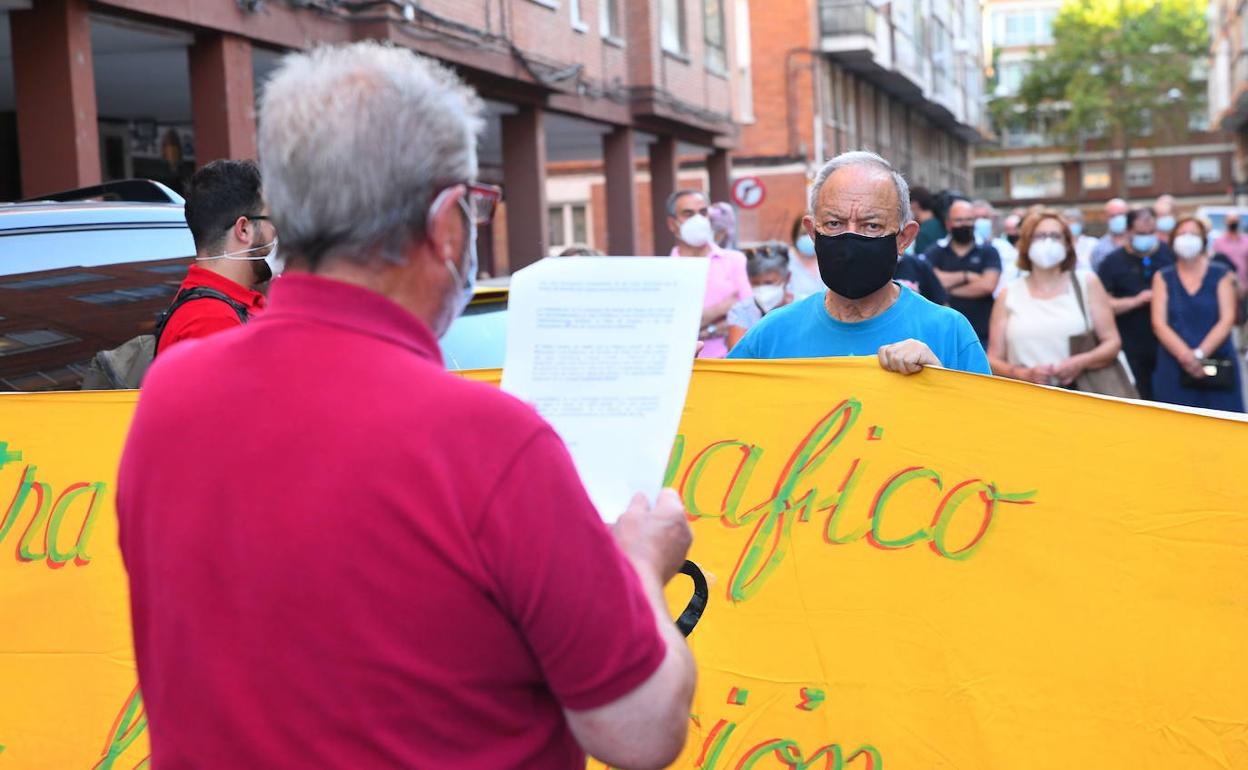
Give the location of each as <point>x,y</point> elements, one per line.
<point>202,317</point>
<point>342,556</point>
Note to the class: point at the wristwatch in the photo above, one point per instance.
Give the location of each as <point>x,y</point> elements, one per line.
<point>1200,354</point>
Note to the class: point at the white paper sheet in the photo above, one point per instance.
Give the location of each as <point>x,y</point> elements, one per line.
<point>603,347</point>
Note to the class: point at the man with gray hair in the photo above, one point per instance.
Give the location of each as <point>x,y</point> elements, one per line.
<point>860,220</point>
<point>688,217</point>
<point>388,565</point>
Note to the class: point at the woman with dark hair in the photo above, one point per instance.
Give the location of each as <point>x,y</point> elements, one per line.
<point>1034,317</point>
<point>1193,313</point>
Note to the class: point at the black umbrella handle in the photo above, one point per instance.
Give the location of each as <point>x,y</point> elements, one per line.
<point>697,603</point>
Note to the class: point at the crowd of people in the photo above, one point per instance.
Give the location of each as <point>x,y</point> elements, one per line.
<point>415,575</point>
<point>1153,309</point>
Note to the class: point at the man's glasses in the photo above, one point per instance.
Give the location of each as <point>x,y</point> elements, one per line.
<point>251,217</point>
<point>481,200</point>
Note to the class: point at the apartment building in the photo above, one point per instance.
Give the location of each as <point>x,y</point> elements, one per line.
<point>902,78</point>
<point>1228,85</point>
<point>1029,164</point>
<point>95,90</point>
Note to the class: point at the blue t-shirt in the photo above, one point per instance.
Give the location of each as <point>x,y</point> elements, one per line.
<point>805,330</point>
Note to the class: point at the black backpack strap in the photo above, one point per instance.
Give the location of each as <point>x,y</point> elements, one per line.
<point>190,295</point>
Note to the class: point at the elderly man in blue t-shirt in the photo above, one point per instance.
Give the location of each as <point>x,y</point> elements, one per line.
<point>860,220</point>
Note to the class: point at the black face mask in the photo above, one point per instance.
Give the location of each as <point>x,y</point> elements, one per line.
<point>854,265</point>
<point>1232,227</point>
<point>1013,239</point>
<point>963,234</point>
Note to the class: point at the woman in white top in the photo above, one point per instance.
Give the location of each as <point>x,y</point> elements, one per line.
<point>1035,316</point>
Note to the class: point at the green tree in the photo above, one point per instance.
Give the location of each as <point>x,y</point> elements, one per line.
<point>1115,65</point>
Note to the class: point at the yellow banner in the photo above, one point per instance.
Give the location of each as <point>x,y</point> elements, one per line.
<point>936,571</point>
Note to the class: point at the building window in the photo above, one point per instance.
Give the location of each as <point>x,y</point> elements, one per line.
<point>578,22</point>
<point>1037,182</point>
<point>609,18</point>
<point>672,31</point>
<point>1096,176</point>
<point>745,69</point>
<point>1023,28</point>
<point>713,32</point>
<point>990,183</point>
<point>1198,119</point>
<point>1140,173</point>
<point>1010,77</point>
<point>568,225</point>
<point>1206,170</point>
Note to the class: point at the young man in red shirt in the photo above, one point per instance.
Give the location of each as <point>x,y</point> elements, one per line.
<point>235,252</point>
<point>384,565</point>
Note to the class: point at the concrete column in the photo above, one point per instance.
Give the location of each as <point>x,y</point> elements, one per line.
<point>662,184</point>
<point>524,182</point>
<point>719,169</point>
<point>618,163</point>
<point>223,98</point>
<point>58,130</point>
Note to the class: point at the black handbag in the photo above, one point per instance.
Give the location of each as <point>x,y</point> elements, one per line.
<point>1219,375</point>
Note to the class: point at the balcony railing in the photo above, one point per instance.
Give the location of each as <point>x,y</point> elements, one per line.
<point>846,17</point>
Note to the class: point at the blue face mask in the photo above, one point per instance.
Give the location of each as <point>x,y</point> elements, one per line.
<point>805,245</point>
<point>983,229</point>
<point>1165,224</point>
<point>1143,244</point>
<point>1118,224</point>
<point>1076,229</point>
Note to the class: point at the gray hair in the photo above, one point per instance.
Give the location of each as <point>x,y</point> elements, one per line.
<point>1073,215</point>
<point>863,158</point>
<point>771,257</point>
<point>355,142</point>
<point>671,199</point>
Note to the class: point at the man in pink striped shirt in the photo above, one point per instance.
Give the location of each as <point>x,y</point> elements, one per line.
<point>726,282</point>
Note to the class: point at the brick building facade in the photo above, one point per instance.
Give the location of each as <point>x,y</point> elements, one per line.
<point>106,89</point>
<point>903,79</point>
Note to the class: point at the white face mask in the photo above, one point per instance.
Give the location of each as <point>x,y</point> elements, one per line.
<point>696,231</point>
<point>769,296</point>
<point>1188,246</point>
<point>1046,253</point>
<point>276,264</point>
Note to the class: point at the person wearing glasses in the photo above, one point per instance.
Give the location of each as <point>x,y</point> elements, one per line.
<point>1036,314</point>
<point>1127,274</point>
<point>859,218</point>
<point>358,558</point>
<point>235,253</point>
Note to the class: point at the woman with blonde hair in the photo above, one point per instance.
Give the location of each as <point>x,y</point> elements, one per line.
<point>1035,316</point>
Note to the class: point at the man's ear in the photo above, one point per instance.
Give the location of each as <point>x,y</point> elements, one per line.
<point>907,236</point>
<point>447,229</point>
<point>808,224</point>
<point>240,230</point>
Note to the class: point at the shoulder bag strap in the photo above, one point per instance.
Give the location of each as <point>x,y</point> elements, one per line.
<point>1079,298</point>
